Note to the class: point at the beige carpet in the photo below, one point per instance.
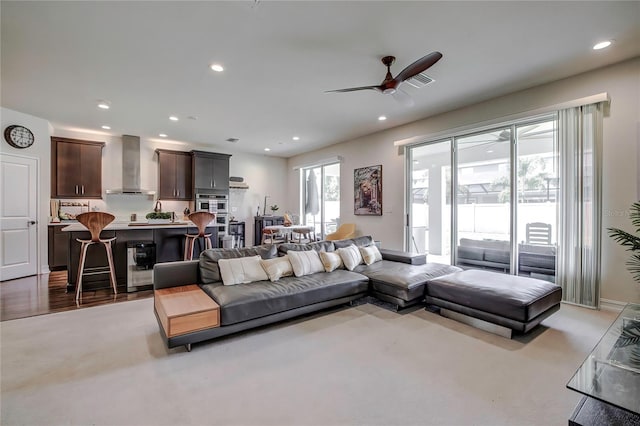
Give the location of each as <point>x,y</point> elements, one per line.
<point>349,366</point>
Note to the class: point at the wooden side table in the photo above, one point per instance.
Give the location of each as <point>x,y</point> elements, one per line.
<point>185,309</point>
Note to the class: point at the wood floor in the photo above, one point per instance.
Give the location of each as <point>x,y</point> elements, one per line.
<point>44,294</point>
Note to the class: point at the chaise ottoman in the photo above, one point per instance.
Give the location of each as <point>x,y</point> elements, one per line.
<point>495,302</point>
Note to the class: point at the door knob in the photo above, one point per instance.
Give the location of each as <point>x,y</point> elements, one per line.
<point>32,222</point>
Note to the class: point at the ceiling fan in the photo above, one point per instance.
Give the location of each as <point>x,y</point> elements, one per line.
<point>390,85</point>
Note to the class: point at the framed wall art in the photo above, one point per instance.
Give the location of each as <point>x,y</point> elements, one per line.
<point>368,191</point>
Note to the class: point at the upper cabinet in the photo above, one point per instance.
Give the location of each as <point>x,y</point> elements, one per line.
<point>210,170</point>
<point>76,168</point>
<point>175,175</point>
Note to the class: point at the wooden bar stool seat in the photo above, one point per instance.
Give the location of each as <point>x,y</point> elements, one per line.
<point>201,220</point>
<point>95,222</point>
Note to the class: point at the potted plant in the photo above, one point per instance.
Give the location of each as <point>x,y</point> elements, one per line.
<point>158,217</point>
<point>630,241</point>
<point>274,208</point>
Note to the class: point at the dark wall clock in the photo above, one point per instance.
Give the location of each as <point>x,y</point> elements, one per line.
<point>19,136</point>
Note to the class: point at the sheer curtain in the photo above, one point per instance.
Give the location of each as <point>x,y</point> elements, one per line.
<point>579,231</point>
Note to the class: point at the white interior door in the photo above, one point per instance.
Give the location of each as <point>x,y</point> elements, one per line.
<point>18,214</point>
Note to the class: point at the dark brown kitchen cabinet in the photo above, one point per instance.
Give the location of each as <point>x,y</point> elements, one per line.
<point>175,175</point>
<point>76,168</point>
<point>210,170</point>
<point>58,247</point>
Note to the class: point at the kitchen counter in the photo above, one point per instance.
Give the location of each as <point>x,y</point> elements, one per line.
<point>121,226</point>
<point>169,239</point>
<point>63,223</point>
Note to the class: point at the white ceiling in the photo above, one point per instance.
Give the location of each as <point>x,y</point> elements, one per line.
<point>151,60</point>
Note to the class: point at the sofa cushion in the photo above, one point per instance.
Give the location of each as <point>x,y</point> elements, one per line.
<point>358,242</point>
<point>254,300</point>
<point>305,262</point>
<point>331,261</point>
<point>277,267</point>
<point>402,280</point>
<point>370,254</point>
<point>316,245</point>
<point>404,256</point>
<point>241,270</point>
<point>351,256</point>
<point>209,270</point>
<point>517,298</point>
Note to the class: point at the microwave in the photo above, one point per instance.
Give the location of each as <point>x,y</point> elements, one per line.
<point>212,203</point>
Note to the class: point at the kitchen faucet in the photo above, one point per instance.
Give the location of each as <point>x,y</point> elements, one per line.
<point>158,207</point>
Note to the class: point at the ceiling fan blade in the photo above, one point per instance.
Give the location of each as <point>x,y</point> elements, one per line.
<point>403,98</point>
<point>354,89</point>
<point>418,66</point>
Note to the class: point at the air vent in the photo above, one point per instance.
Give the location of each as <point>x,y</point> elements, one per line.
<point>420,80</point>
<point>233,140</point>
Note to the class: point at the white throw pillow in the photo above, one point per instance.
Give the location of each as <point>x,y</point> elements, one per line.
<point>241,270</point>
<point>277,267</point>
<point>331,261</point>
<point>370,254</point>
<point>351,256</point>
<point>305,262</point>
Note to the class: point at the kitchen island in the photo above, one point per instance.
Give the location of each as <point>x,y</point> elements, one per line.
<point>168,238</point>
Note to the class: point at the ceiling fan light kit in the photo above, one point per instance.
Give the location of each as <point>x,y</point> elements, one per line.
<point>413,75</point>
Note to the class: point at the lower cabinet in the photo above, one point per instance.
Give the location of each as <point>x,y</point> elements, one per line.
<point>58,244</point>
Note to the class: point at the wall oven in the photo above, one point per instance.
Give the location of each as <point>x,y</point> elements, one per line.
<point>213,203</point>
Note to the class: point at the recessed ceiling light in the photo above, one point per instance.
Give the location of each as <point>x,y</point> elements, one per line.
<point>103,105</point>
<point>382,118</point>
<point>173,118</point>
<point>296,138</point>
<point>416,162</point>
<point>602,45</point>
<point>489,151</point>
<point>217,67</point>
<point>106,127</point>
<point>163,135</point>
<point>267,149</point>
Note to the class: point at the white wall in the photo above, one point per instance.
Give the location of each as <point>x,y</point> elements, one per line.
<point>41,150</point>
<point>620,169</point>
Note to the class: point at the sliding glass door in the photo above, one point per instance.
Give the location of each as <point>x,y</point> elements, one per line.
<point>537,207</point>
<point>321,198</point>
<point>430,201</point>
<point>483,201</point>
<point>503,216</point>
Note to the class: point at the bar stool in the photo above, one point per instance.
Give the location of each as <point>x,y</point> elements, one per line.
<point>201,220</point>
<point>95,223</point>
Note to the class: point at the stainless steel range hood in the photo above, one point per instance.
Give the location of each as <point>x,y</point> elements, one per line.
<point>130,168</point>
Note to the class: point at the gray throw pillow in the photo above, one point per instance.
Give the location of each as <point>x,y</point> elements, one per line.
<point>209,269</point>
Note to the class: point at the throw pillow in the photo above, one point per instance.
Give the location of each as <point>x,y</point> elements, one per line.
<point>277,268</point>
<point>305,262</point>
<point>351,256</point>
<point>331,261</point>
<point>241,270</point>
<point>370,254</point>
<point>209,270</point>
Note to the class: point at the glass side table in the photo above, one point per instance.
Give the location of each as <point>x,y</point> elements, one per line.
<point>611,372</point>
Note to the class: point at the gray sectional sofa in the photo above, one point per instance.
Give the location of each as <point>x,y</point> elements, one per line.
<point>399,278</point>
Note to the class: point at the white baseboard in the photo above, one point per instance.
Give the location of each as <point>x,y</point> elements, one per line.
<point>612,305</point>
